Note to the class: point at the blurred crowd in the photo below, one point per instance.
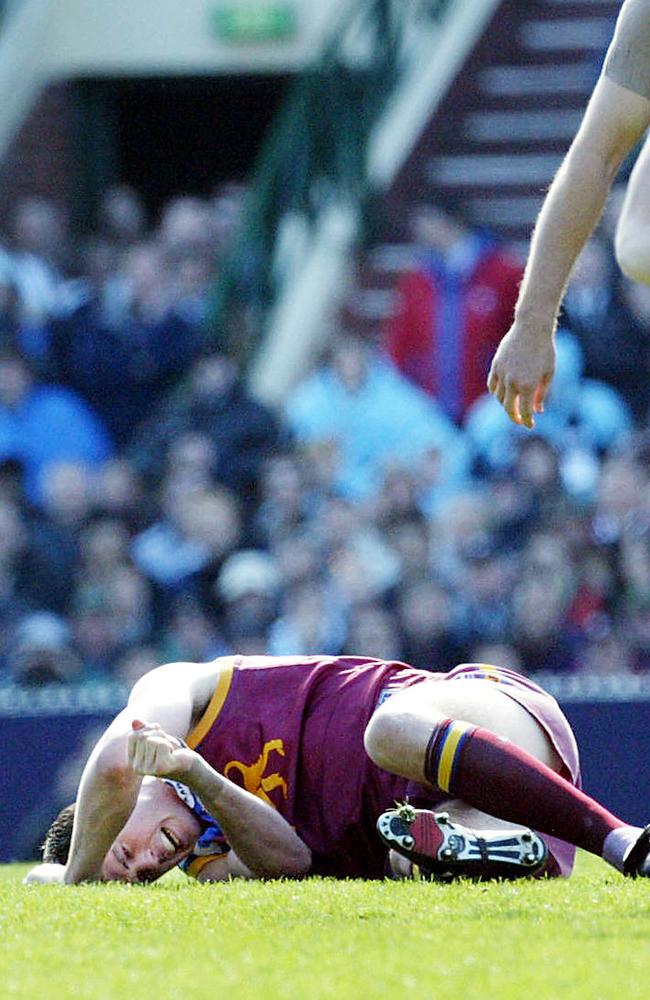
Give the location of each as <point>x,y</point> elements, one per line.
<point>388,509</point>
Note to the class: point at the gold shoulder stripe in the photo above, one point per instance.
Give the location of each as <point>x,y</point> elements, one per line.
<point>195,868</point>
<point>215,705</point>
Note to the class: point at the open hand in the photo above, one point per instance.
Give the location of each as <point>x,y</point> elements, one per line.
<point>521,373</point>
<point>153,751</point>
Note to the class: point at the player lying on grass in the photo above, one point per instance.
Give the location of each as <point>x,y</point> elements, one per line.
<point>297,758</point>
<point>617,116</point>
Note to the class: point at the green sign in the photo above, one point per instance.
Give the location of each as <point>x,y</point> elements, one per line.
<point>255,22</point>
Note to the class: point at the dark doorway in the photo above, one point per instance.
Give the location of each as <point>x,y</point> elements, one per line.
<point>167,136</point>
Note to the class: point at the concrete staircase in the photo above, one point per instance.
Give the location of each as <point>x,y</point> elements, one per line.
<point>494,143</point>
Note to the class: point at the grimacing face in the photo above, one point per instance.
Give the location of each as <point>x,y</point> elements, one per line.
<point>159,833</point>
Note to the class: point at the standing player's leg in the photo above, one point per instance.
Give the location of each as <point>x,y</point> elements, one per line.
<point>473,741</point>
<point>632,242</point>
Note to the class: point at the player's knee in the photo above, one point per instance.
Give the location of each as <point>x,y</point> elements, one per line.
<point>383,737</point>
<point>632,251</point>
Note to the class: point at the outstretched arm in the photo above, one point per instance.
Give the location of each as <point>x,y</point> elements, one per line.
<point>523,366</point>
<point>109,786</point>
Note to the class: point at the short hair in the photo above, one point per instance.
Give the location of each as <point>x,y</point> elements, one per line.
<point>56,846</point>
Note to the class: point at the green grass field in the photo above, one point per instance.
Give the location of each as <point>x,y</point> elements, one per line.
<point>585,938</point>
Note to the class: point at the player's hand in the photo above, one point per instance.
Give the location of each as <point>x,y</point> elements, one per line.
<point>46,874</point>
<point>153,751</point>
<point>521,373</point>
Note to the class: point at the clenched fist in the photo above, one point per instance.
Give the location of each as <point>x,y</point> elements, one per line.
<point>153,751</point>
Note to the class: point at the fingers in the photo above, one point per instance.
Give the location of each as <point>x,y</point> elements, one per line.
<point>519,402</point>
<point>150,750</point>
<point>519,405</point>
<point>540,393</point>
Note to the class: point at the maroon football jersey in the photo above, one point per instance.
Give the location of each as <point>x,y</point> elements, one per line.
<point>290,730</point>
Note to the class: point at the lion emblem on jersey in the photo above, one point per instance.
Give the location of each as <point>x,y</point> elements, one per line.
<point>254,778</point>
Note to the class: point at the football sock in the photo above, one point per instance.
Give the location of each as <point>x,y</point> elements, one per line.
<point>492,774</point>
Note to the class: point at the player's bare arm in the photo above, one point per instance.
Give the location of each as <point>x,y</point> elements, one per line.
<point>174,694</point>
<point>263,842</point>
<point>523,366</point>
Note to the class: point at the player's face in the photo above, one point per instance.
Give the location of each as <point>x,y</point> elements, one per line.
<point>159,833</point>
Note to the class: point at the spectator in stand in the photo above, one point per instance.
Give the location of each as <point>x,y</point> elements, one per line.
<point>430,639</point>
<point>312,619</point>
<point>411,542</point>
<point>191,634</point>
<point>283,500</point>
<point>546,587</point>
<point>248,590</point>
<point>513,504</point>
<point>40,257</point>
<point>11,482</point>
<point>186,225</point>
<point>360,565</point>
<point>397,498</point>
<point>103,548</point>
<point>118,491</point>
<point>44,424</point>
<point>16,327</point>
<point>227,207</point>
<point>461,528</point>
<point>122,353</point>
<point>372,414</point>
<point>13,604</point>
<point>375,628</point>
<point>42,653</point>
<point>134,663</point>
<point>191,457</point>
<point>598,586</point>
<point>193,276</point>
<point>50,561</point>
<point>538,472</point>
<point>94,633</point>
<point>121,218</point>
<point>637,627</point>
<point>129,599</point>
<point>538,628</point>
<point>186,235</point>
<point>112,603</point>
<point>622,495</point>
<point>214,402</point>
<point>298,557</point>
<point>182,552</point>
<point>452,309</point>
<point>483,599</point>
<point>608,650</point>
